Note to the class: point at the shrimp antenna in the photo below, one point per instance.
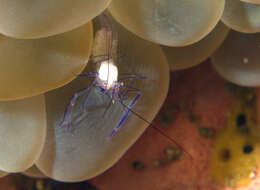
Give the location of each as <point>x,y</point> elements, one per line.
<point>111,38</point>
<point>156,128</point>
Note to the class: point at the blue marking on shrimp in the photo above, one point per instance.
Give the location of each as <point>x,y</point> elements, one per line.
<point>125,116</point>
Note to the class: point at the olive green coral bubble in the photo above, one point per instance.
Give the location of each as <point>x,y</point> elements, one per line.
<point>237,60</point>
<point>86,151</point>
<point>242,16</point>
<point>22,133</point>
<point>167,22</point>
<point>188,56</point>
<point>32,67</point>
<point>35,19</point>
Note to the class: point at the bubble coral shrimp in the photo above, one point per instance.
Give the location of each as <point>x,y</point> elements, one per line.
<point>106,78</point>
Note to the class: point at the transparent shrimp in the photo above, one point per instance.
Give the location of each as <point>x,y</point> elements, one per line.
<point>106,79</point>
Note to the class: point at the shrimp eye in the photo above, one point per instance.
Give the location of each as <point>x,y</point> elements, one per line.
<point>247,149</point>
<point>225,155</point>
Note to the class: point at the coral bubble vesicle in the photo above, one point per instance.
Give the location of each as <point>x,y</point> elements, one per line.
<point>42,18</point>
<point>22,133</point>
<point>252,1</point>
<point>168,22</point>
<point>32,67</point>
<point>237,60</point>
<point>188,56</point>
<point>242,16</point>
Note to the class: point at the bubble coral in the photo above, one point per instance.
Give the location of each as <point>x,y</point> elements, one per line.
<point>32,67</point>
<point>171,23</point>
<point>35,19</point>
<point>197,52</point>
<point>46,44</point>
<point>237,60</point>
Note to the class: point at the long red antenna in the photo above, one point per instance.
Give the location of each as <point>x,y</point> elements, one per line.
<point>158,130</point>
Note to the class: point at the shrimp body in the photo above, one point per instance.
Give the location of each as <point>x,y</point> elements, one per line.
<point>109,87</point>
<point>106,78</point>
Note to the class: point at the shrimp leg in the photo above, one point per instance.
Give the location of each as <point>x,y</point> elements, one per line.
<point>84,105</point>
<point>124,117</point>
<point>67,117</point>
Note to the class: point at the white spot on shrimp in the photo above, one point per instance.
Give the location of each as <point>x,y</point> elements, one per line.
<point>108,74</point>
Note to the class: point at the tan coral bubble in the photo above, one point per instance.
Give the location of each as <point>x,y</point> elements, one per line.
<point>168,22</point>
<point>86,150</point>
<point>35,19</point>
<point>32,67</point>
<point>237,60</point>
<point>188,56</point>
<point>241,16</point>
<point>22,133</point>
<point>252,1</point>
<point>34,172</point>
